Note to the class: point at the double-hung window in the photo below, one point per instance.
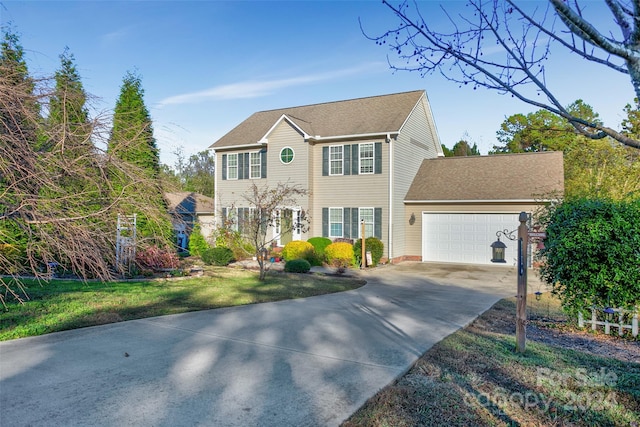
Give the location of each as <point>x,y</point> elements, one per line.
<point>366,158</point>
<point>232,166</point>
<point>335,222</point>
<point>335,159</point>
<point>366,215</point>
<point>254,165</point>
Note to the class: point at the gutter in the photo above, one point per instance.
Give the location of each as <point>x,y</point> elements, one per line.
<point>457,202</point>
<point>318,138</point>
<point>390,229</point>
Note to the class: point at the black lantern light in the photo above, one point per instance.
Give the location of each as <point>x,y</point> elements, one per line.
<point>497,251</point>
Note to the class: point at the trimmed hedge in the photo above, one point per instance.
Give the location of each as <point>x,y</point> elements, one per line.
<point>319,245</point>
<point>297,266</point>
<point>219,256</point>
<point>371,244</point>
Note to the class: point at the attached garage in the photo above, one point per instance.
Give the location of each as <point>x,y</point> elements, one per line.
<point>455,205</point>
<point>465,237</point>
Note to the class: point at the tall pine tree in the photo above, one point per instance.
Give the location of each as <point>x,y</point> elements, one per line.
<point>132,141</point>
<point>19,118</point>
<point>132,134</point>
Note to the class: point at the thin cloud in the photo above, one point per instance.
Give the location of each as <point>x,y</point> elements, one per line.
<point>115,36</point>
<point>256,88</point>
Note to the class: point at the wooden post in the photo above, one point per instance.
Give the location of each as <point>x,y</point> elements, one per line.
<point>363,262</point>
<point>521,297</point>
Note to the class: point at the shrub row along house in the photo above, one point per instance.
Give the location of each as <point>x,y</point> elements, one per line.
<point>379,160</point>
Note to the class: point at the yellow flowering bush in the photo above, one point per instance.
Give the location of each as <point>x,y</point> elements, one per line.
<point>339,255</point>
<point>298,249</point>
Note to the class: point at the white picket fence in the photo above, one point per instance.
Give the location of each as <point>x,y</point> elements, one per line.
<point>620,324</point>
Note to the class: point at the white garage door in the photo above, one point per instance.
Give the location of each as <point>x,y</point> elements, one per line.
<point>466,237</point>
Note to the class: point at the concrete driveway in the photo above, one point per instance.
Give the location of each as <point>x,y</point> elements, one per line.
<point>309,362</point>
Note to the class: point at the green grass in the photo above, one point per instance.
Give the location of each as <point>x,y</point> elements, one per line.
<point>60,305</point>
<point>474,377</point>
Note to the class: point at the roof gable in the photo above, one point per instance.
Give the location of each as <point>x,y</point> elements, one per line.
<point>189,203</point>
<point>372,115</point>
<point>504,177</point>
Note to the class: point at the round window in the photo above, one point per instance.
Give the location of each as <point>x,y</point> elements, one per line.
<point>286,155</point>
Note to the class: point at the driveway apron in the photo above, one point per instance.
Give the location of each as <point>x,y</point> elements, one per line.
<point>306,362</point>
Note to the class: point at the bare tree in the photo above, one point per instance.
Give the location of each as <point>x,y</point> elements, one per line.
<point>56,208</point>
<point>465,53</point>
<point>262,216</point>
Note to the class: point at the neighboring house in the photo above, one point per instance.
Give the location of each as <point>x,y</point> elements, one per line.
<point>357,158</point>
<point>187,209</point>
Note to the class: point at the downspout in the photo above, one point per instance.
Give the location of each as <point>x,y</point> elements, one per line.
<point>215,190</point>
<point>390,230</point>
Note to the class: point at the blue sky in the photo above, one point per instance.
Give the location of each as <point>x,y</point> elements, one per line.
<point>208,65</point>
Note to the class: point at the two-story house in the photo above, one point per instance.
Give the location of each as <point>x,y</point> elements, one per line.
<point>357,158</point>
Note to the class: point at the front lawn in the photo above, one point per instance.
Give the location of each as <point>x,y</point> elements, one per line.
<point>567,377</point>
<point>59,305</point>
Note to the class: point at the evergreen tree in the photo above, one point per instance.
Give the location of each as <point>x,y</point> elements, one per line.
<point>67,105</point>
<point>132,134</point>
<point>19,117</point>
<point>139,179</point>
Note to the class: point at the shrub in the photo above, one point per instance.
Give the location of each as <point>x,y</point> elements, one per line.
<point>156,258</point>
<point>371,244</point>
<point>219,255</point>
<point>298,249</point>
<point>233,239</point>
<point>339,255</point>
<point>319,245</point>
<point>592,254</point>
<point>197,243</point>
<point>297,266</point>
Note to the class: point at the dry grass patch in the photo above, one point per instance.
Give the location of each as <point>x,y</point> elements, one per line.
<point>567,377</point>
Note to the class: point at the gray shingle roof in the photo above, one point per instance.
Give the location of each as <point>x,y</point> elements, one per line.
<point>499,177</point>
<point>377,114</point>
<point>184,202</point>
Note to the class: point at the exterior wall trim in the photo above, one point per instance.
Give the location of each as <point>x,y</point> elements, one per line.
<point>480,201</point>
<point>253,146</point>
<point>282,118</point>
<point>319,138</point>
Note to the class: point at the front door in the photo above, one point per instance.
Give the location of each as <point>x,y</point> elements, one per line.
<point>288,226</point>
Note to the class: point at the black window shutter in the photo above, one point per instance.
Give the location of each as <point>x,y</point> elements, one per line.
<point>355,156</point>
<point>224,166</point>
<point>377,223</point>
<point>346,164</point>
<point>224,216</point>
<point>346,223</point>
<point>263,164</point>
<point>240,166</point>
<point>355,223</point>
<point>325,161</point>
<point>246,165</point>
<point>377,162</point>
<point>325,222</point>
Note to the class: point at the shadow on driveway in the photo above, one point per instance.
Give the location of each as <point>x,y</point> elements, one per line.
<point>308,362</point>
